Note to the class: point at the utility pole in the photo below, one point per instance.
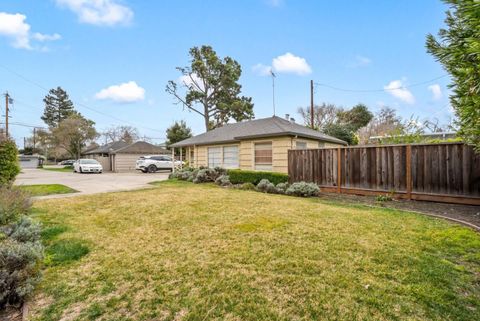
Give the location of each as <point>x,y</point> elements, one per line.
<point>312,123</point>
<point>7,98</point>
<point>34,141</point>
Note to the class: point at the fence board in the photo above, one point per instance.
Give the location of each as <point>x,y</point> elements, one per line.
<point>448,172</point>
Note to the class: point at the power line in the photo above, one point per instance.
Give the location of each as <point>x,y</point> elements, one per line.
<point>379,90</point>
<point>78,104</point>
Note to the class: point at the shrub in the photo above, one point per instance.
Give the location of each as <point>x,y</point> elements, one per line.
<point>303,189</point>
<point>198,175</point>
<point>247,187</point>
<point>223,180</point>
<point>9,167</point>
<point>13,203</point>
<point>238,176</point>
<point>266,186</point>
<point>282,188</point>
<point>19,271</point>
<point>20,247</point>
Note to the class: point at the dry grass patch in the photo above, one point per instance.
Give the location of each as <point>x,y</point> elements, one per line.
<point>198,252</point>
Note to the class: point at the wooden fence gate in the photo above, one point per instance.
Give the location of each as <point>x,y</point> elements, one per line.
<point>448,172</point>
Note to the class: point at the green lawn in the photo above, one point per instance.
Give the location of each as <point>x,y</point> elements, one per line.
<point>68,169</point>
<point>46,189</point>
<point>181,251</point>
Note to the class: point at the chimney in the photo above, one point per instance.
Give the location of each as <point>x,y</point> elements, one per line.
<point>292,119</point>
<point>287,116</point>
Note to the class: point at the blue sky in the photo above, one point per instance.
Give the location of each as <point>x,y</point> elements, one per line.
<point>130,48</point>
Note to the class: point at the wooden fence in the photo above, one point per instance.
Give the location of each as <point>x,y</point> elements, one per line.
<point>448,172</point>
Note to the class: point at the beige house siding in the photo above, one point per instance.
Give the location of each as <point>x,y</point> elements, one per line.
<point>280,147</point>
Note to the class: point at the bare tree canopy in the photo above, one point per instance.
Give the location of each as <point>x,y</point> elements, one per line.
<point>323,115</point>
<point>128,134</point>
<point>73,133</point>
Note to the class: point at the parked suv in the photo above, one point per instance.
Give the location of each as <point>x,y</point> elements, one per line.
<point>153,163</point>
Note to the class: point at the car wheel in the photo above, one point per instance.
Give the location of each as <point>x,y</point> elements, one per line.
<point>80,169</point>
<point>152,169</point>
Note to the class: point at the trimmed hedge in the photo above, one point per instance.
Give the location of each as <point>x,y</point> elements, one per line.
<point>238,176</point>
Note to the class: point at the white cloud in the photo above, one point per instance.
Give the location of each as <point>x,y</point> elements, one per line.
<point>99,12</point>
<point>128,92</point>
<point>436,91</point>
<point>262,70</point>
<point>289,63</point>
<point>42,37</point>
<point>275,3</point>
<point>360,61</point>
<point>15,27</point>
<point>187,81</point>
<point>397,89</point>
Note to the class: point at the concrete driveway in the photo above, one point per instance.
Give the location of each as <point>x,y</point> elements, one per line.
<point>89,183</point>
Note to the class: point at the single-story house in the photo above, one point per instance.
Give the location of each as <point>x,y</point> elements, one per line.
<point>121,157</point>
<point>30,161</point>
<point>260,144</point>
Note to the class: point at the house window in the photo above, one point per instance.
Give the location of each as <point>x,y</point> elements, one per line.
<point>214,157</point>
<point>230,157</point>
<point>300,145</point>
<point>263,156</point>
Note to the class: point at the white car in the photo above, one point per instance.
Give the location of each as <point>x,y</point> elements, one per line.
<point>153,163</point>
<point>87,166</point>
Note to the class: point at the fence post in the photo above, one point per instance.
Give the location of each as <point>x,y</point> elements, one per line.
<point>409,171</point>
<point>339,171</point>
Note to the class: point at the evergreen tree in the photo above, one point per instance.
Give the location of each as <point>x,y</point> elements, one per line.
<point>457,48</point>
<point>58,107</point>
<point>212,88</point>
<point>178,132</point>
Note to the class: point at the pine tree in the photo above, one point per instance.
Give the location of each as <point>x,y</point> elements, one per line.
<point>58,107</point>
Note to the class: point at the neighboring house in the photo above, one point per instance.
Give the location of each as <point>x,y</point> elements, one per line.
<point>260,144</point>
<point>121,157</point>
<point>30,161</point>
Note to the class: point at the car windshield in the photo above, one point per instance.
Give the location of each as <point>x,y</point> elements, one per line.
<point>88,161</point>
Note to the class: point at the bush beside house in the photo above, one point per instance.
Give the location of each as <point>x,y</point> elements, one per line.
<point>20,248</point>
<point>245,180</point>
<point>238,176</point>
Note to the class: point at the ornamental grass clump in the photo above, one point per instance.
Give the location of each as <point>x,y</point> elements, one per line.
<point>303,189</point>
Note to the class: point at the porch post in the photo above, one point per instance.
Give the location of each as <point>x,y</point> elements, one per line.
<point>173,159</point>
<point>181,157</point>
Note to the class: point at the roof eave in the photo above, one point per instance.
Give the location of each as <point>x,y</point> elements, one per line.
<point>180,144</point>
<point>326,139</point>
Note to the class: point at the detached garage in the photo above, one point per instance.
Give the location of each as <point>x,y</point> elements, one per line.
<point>122,157</point>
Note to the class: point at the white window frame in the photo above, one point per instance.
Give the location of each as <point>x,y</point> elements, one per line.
<point>233,162</point>
<point>214,161</point>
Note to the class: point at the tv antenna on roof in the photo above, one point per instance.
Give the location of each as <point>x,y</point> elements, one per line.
<point>273,89</point>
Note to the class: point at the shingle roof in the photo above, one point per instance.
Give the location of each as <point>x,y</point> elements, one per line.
<point>265,127</point>
<point>142,148</point>
<point>107,148</point>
